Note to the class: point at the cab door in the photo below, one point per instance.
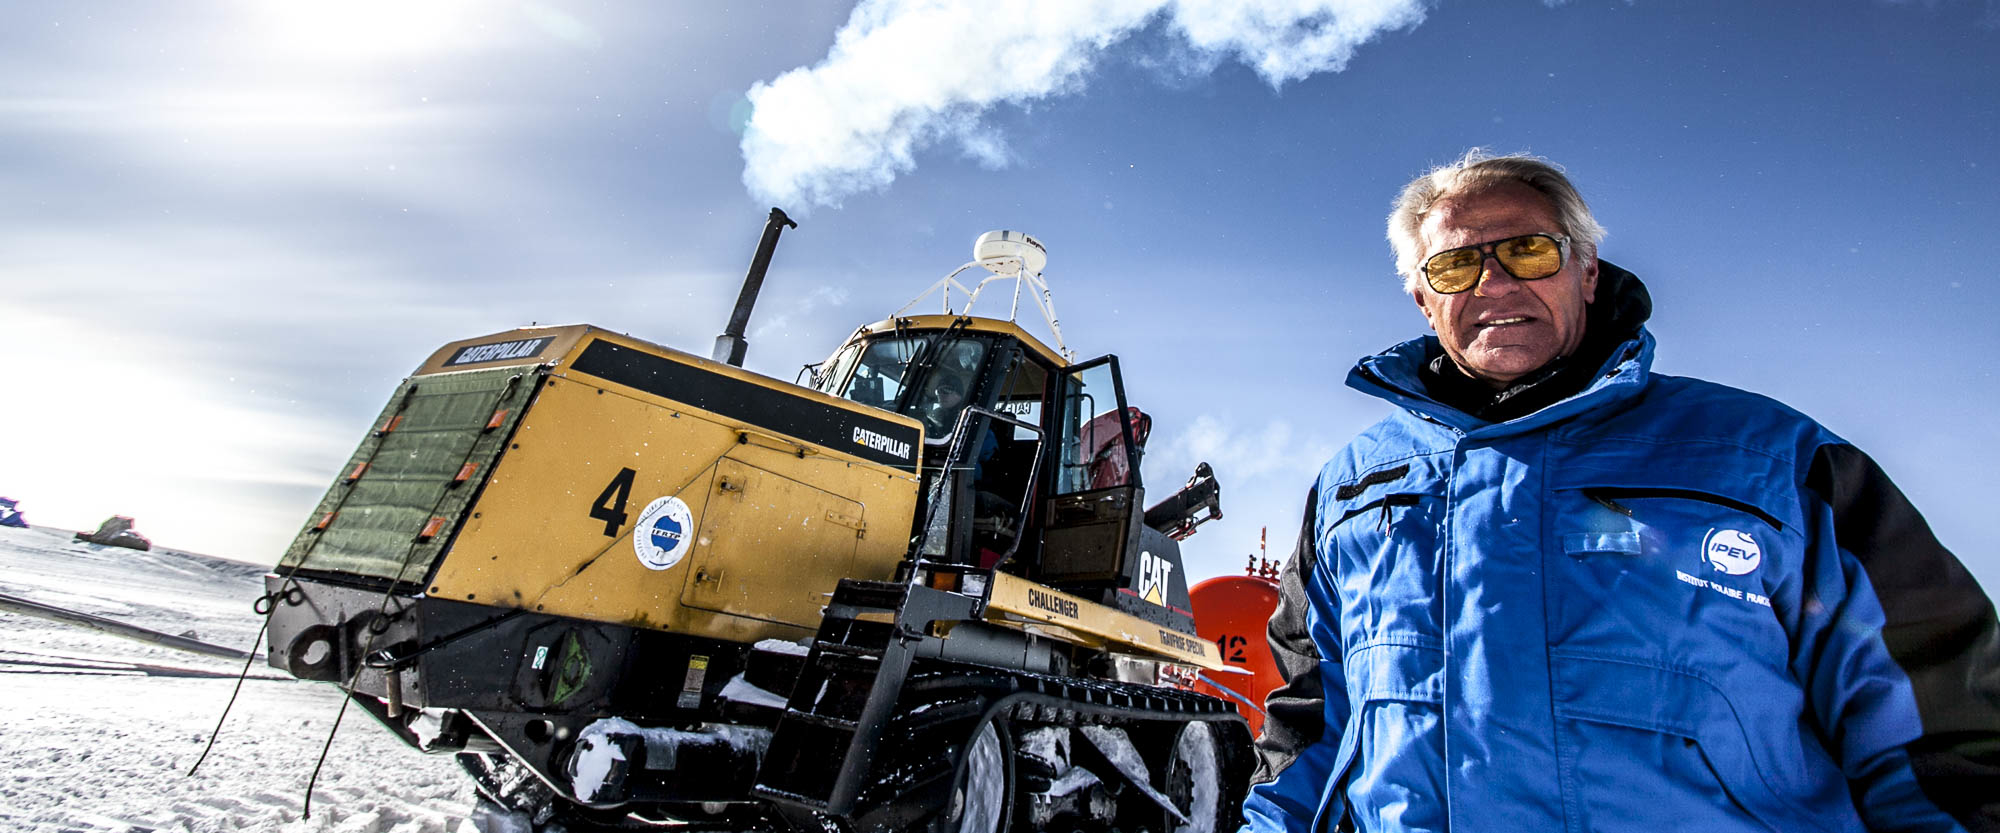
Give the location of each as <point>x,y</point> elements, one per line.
<point>1095,494</point>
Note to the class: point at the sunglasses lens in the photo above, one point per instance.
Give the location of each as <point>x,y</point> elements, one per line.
<point>1454,271</point>
<point>1530,257</point>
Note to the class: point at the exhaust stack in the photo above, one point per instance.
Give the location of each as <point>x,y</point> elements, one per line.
<point>730,346</point>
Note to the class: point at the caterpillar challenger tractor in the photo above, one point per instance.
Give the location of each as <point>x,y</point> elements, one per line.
<point>631,587</point>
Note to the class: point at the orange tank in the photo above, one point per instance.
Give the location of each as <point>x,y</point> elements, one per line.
<point>1232,612</point>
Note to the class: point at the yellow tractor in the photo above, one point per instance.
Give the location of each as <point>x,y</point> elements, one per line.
<point>632,587</point>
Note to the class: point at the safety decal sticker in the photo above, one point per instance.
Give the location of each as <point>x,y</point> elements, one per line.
<point>661,538</point>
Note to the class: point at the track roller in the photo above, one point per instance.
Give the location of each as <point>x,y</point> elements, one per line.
<point>983,791</point>
<point>1192,780</point>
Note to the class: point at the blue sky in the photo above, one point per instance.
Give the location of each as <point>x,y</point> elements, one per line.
<point>229,228</point>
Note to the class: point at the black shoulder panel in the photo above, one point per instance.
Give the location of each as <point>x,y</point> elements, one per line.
<point>1295,715</point>
<point>1940,628</point>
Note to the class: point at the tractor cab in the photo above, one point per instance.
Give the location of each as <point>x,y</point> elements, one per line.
<point>1030,460</point>
<point>980,388</point>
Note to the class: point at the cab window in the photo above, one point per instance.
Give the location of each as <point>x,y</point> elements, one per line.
<point>830,375</point>
<point>879,373</point>
<point>1093,430</point>
<point>953,380</point>
<point>1022,391</point>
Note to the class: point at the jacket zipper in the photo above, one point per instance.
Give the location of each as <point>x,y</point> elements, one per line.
<point>1384,503</point>
<point>1606,496</point>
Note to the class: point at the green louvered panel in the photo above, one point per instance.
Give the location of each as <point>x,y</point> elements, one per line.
<point>378,518</point>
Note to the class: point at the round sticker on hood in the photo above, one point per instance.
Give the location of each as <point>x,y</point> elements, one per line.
<point>663,533</point>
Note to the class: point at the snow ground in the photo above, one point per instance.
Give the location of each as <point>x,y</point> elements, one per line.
<point>97,732</point>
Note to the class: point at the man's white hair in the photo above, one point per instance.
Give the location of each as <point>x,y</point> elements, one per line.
<point>1472,173</point>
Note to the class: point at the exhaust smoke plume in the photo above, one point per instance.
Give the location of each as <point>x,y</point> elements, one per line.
<point>904,75</point>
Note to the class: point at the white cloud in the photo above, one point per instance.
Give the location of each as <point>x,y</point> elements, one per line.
<point>799,307</point>
<point>1264,471</point>
<point>907,74</point>
<point>1252,452</point>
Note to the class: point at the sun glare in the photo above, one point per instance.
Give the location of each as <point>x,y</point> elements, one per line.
<point>129,428</point>
<point>359,30</point>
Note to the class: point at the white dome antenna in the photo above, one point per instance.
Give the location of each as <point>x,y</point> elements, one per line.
<point>1009,255</point>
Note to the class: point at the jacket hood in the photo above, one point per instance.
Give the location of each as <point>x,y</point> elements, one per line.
<point>1619,309</point>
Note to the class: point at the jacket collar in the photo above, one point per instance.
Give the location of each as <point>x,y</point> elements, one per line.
<point>1392,375</point>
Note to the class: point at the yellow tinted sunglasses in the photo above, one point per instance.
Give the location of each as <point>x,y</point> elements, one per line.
<point>1529,257</point>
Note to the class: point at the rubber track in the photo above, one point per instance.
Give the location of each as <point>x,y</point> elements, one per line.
<point>1080,695</point>
<point>1042,698</point>
<point>1021,695</point>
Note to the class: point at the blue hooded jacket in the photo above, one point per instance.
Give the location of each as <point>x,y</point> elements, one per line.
<point>1657,604</point>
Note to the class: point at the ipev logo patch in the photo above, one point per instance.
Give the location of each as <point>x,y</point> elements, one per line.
<point>662,536</point>
<point>1731,552</point>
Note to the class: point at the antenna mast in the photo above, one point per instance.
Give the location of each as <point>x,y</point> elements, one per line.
<point>1008,255</point>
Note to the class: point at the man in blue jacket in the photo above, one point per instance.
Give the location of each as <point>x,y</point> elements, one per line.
<point>1558,591</point>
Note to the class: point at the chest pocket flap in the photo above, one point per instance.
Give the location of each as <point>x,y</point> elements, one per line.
<point>1378,534</point>
<point>1725,474</point>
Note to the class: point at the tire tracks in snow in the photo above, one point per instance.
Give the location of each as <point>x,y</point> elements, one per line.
<point>20,662</point>
<point>116,628</point>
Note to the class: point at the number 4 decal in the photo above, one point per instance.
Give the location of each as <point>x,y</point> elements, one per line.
<point>610,506</point>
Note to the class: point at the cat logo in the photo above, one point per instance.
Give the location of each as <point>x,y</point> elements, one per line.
<point>1153,575</point>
